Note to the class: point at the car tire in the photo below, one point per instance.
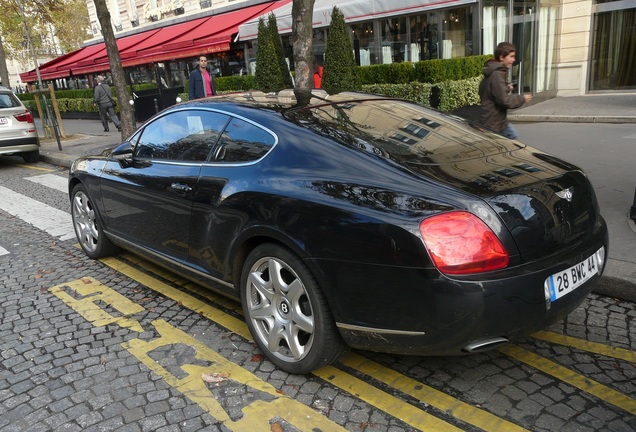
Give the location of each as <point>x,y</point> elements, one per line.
<point>87,225</point>
<point>31,157</point>
<point>286,312</point>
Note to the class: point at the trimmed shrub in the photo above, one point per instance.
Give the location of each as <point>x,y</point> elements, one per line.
<point>340,65</point>
<point>457,94</point>
<point>414,91</point>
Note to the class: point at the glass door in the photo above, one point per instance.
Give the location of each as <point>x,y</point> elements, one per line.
<point>523,36</point>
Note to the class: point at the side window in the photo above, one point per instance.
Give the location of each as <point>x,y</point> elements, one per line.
<point>243,142</point>
<point>181,135</point>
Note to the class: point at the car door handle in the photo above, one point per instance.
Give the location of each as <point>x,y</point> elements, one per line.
<point>181,188</point>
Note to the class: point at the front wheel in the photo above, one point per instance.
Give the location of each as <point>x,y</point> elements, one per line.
<point>286,312</point>
<point>88,226</point>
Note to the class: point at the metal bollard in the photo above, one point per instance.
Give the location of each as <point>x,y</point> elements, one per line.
<point>632,212</point>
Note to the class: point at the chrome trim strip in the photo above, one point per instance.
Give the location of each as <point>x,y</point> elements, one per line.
<point>377,330</point>
<point>178,264</point>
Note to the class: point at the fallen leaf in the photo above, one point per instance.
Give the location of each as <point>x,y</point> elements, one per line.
<point>258,357</point>
<point>214,377</point>
<point>276,427</point>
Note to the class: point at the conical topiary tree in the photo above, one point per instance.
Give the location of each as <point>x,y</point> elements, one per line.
<point>340,64</point>
<point>267,76</point>
<point>272,26</point>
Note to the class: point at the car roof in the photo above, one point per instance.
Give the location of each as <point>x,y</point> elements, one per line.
<point>283,100</point>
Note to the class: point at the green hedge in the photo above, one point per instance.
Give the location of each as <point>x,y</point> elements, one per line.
<point>454,81</point>
<point>452,95</point>
<point>414,91</point>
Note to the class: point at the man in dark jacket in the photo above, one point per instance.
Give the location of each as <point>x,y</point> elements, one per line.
<point>201,82</point>
<point>105,104</point>
<point>495,93</point>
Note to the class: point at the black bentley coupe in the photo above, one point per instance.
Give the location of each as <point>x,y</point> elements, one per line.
<point>355,221</point>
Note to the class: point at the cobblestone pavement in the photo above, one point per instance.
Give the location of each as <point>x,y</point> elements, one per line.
<point>121,345</point>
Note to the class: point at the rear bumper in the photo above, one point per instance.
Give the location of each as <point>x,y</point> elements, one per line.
<point>426,313</point>
<point>19,145</point>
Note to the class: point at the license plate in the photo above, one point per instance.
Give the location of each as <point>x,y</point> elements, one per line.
<point>566,281</point>
<point>3,121</point>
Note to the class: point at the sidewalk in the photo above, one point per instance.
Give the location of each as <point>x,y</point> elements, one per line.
<point>87,137</point>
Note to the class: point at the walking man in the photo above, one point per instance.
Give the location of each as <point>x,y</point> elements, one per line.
<point>105,103</point>
<point>495,93</point>
<point>201,83</point>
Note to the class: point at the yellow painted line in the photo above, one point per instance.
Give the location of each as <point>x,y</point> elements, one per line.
<point>450,405</point>
<point>406,412</point>
<point>226,302</point>
<point>36,168</point>
<point>380,399</point>
<point>256,415</point>
<point>228,321</point>
<point>574,379</point>
<point>583,345</point>
<point>92,292</point>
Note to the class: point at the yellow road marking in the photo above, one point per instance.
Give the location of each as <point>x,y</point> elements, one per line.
<point>185,283</point>
<point>583,345</point>
<point>574,379</point>
<point>228,321</point>
<point>458,409</point>
<point>404,411</point>
<point>381,400</point>
<point>36,168</point>
<point>256,415</point>
<point>93,291</point>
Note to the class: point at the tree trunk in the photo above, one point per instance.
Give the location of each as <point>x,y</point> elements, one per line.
<point>4,72</point>
<point>116,69</point>
<point>302,42</point>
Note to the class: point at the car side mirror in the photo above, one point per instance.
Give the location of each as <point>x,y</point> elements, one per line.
<point>123,153</point>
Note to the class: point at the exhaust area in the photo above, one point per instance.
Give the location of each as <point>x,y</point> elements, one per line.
<point>485,345</point>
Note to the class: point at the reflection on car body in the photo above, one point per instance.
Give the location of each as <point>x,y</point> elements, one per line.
<point>356,221</point>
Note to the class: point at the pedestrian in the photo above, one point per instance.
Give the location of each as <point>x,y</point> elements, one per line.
<point>496,93</point>
<point>201,83</point>
<point>318,71</point>
<point>105,103</point>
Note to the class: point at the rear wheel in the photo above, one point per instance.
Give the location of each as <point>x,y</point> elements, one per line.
<point>88,227</point>
<point>286,312</point>
<point>31,157</point>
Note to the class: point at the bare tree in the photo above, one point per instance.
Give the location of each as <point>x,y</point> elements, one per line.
<point>302,42</point>
<point>116,68</point>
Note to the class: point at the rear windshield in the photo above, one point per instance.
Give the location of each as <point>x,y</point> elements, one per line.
<point>8,100</point>
<point>400,130</point>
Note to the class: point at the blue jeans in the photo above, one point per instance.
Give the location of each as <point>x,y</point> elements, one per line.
<point>509,132</point>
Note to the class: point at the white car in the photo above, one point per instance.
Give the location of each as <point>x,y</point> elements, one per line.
<point>18,134</point>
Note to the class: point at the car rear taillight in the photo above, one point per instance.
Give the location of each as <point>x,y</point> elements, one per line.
<point>461,243</point>
<point>24,117</point>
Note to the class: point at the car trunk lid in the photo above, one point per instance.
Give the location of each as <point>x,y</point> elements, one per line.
<point>545,203</point>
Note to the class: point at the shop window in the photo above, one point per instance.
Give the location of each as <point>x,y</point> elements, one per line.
<point>423,38</point>
<point>364,43</point>
<point>393,40</point>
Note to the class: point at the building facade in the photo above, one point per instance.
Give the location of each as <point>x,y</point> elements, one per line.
<point>565,47</point>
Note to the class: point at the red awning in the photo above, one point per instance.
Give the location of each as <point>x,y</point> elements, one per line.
<point>188,39</point>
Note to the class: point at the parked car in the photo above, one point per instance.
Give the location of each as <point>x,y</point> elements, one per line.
<point>355,221</point>
<point>18,135</point>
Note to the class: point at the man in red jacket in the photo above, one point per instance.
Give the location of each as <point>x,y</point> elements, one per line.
<point>495,92</point>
